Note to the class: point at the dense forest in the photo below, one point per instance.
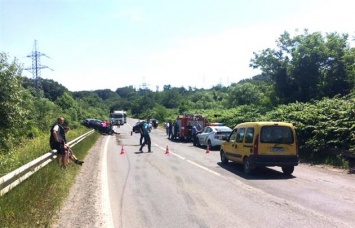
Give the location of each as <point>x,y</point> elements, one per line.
<point>309,80</point>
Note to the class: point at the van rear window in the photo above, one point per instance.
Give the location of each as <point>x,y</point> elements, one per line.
<point>276,134</point>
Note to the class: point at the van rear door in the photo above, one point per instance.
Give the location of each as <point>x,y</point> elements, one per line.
<point>277,140</point>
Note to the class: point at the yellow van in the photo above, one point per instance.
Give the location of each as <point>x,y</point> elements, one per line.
<point>261,144</point>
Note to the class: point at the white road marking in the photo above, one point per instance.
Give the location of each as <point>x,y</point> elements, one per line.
<point>106,206</point>
<point>193,163</point>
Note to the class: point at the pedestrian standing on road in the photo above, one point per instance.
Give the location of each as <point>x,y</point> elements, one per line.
<point>170,130</point>
<point>57,141</point>
<point>194,135</point>
<point>189,131</point>
<point>146,136</point>
<point>199,128</point>
<point>141,126</point>
<point>167,128</point>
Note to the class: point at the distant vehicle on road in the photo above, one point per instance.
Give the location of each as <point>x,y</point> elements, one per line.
<point>118,117</point>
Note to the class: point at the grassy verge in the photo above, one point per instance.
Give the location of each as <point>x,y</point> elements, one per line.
<point>316,158</point>
<point>30,150</point>
<point>34,202</point>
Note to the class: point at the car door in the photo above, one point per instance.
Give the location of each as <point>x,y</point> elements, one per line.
<point>203,136</point>
<point>228,146</point>
<point>238,146</point>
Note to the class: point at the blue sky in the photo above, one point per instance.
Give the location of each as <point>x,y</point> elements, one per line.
<point>108,44</point>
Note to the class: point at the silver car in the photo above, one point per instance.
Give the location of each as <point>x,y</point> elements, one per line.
<point>213,135</point>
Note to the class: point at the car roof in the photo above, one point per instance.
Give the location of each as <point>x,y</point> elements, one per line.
<point>264,123</point>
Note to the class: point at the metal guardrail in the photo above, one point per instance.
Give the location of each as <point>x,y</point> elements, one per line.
<point>14,178</point>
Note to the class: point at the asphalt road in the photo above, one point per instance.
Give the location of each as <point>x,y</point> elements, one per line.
<point>191,188</point>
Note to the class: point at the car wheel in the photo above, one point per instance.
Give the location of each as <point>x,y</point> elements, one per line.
<point>224,158</point>
<point>198,142</point>
<point>246,166</point>
<point>288,170</point>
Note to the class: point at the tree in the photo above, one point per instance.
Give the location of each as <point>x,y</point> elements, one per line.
<point>13,107</point>
<point>66,101</point>
<point>244,94</point>
<point>43,114</point>
<point>171,98</point>
<point>106,94</point>
<point>308,66</point>
<point>52,89</point>
<point>338,71</point>
<point>166,87</point>
<point>126,92</point>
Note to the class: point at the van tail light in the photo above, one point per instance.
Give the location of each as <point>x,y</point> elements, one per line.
<point>256,145</point>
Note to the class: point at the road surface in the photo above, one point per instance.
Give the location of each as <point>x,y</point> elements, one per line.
<point>187,187</point>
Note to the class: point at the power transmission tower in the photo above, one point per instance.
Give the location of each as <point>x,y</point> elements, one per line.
<point>144,86</point>
<point>36,67</point>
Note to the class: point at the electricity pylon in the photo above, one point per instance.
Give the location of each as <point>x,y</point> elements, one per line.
<point>36,67</point>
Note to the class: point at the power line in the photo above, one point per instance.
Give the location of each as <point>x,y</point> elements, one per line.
<point>36,67</point>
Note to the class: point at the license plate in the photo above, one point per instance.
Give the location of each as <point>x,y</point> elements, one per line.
<point>277,149</point>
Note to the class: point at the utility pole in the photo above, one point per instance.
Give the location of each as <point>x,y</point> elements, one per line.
<point>36,67</point>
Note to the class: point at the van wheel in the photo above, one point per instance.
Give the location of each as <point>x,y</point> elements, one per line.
<point>224,158</point>
<point>246,166</point>
<point>288,170</point>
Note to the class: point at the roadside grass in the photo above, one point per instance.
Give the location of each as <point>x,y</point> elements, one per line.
<point>322,159</point>
<point>34,202</point>
<point>30,150</point>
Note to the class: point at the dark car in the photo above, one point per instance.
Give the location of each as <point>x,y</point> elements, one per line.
<point>86,122</point>
<point>95,124</point>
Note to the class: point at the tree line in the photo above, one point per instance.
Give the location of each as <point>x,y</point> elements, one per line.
<point>307,79</point>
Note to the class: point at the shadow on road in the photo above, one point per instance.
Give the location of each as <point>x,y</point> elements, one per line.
<point>259,174</point>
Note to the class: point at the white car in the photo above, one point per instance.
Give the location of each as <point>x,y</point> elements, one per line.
<point>213,135</point>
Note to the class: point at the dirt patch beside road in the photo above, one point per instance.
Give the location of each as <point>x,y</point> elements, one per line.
<point>83,206</point>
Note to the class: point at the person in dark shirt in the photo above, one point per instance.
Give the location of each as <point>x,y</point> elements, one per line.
<point>57,141</point>
<point>189,132</point>
<point>145,132</point>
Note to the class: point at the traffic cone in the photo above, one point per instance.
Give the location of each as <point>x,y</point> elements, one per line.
<point>122,150</point>
<point>208,149</point>
<point>167,150</point>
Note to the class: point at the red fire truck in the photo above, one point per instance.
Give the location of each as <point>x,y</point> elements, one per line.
<point>183,120</point>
